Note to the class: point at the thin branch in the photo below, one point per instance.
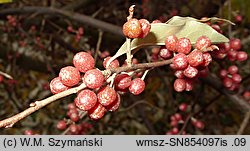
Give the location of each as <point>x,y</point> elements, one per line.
<point>71,15</point>
<point>244,123</point>
<point>9,122</point>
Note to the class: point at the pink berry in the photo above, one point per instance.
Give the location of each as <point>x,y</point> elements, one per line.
<point>85,100</point>
<point>114,64</point>
<point>233,69</point>
<point>69,76</point>
<point>180,61</point>
<point>56,86</point>
<point>145,26</point>
<point>137,86</point>
<point>83,61</point>
<point>115,105</point>
<point>97,112</point>
<point>223,73</point>
<point>202,42</point>
<point>227,82</point>
<point>74,117</point>
<point>236,78</point>
<point>235,44</point>
<point>179,74</point>
<point>175,131</point>
<point>165,53</point>
<point>61,125</point>
<point>179,85</point>
<point>171,43</point>
<point>73,129</point>
<point>71,106</point>
<point>198,124</point>
<point>69,28</point>
<point>28,132</point>
<point>72,111</point>
<point>241,56</point>
<point>183,107</point>
<point>106,95</point>
<point>232,54</point>
<point>122,81</point>
<point>238,18</point>
<point>189,85</point>
<point>178,116</point>
<point>156,21</point>
<point>80,30</point>
<point>190,72</point>
<point>207,59</point>
<point>195,58</point>
<point>184,45</point>
<point>93,78</point>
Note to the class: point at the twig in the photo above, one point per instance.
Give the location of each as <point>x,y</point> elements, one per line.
<point>6,75</point>
<point>244,123</point>
<point>138,103</point>
<point>98,45</point>
<point>9,122</point>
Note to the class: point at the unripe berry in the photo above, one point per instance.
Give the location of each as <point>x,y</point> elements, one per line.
<point>61,125</point>
<point>171,43</point>
<point>179,85</point>
<point>85,100</point>
<point>69,76</point>
<point>235,44</point>
<point>114,64</point>
<point>202,42</point>
<point>184,45</point>
<point>145,26</point>
<point>122,81</point>
<point>236,78</point>
<point>195,58</point>
<point>106,95</point>
<point>241,56</point>
<point>97,112</point>
<point>165,53</point>
<point>93,78</point>
<point>115,105</point>
<point>233,69</point>
<point>190,72</point>
<point>180,61</point>
<point>137,86</point>
<point>132,28</point>
<point>83,61</point>
<point>56,86</point>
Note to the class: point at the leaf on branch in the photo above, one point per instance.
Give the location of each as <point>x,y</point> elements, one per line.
<point>181,27</point>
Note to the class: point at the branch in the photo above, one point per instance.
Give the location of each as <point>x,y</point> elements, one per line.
<point>235,98</point>
<point>71,15</point>
<point>244,123</point>
<point>9,122</point>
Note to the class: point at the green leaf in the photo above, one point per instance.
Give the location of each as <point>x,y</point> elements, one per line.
<point>181,27</point>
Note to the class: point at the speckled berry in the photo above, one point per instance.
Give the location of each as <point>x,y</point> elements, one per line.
<point>56,86</point>
<point>85,100</point>
<point>180,61</point>
<point>83,61</point>
<point>179,74</point>
<point>93,78</point>
<point>137,86</point>
<point>122,81</point>
<point>165,53</point>
<point>132,28</point>
<point>207,59</point>
<point>69,76</point>
<point>184,46</point>
<point>195,58</point>
<point>97,112</point>
<point>171,43</point>
<point>145,26</point>
<point>114,64</point>
<point>179,85</point>
<point>106,95</point>
<point>190,72</point>
<point>115,105</point>
<point>202,42</point>
<point>61,125</point>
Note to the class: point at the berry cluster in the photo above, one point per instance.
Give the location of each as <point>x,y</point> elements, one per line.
<point>187,64</point>
<point>74,129</point>
<point>177,119</point>
<point>230,77</point>
<point>101,93</point>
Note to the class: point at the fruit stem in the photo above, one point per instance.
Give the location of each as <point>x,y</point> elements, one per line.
<point>129,56</point>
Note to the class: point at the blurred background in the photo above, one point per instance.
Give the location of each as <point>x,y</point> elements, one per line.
<point>38,38</point>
